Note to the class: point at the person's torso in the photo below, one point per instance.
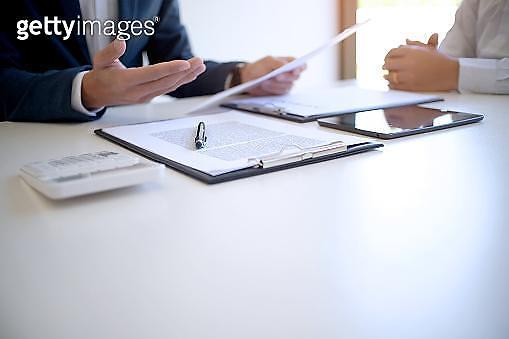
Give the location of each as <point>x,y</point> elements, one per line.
<point>492,29</point>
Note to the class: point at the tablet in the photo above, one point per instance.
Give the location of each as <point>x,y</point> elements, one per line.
<point>399,122</point>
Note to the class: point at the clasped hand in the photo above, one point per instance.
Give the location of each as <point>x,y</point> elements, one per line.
<point>417,66</point>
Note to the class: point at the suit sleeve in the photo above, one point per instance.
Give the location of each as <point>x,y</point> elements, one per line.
<point>171,42</point>
<point>36,97</point>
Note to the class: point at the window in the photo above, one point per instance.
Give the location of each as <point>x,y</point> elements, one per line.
<point>393,22</point>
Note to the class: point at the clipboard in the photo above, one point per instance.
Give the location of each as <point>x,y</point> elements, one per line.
<point>298,160</point>
<point>314,105</point>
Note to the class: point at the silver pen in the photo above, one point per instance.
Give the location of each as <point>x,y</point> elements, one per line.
<point>201,139</point>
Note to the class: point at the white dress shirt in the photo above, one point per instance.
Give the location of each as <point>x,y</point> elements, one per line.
<point>93,10</point>
<point>480,39</point>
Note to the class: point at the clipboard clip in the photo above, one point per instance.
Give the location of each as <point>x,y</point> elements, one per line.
<point>284,157</point>
<point>267,108</point>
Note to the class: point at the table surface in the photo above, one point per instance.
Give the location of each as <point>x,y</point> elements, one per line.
<point>408,242</point>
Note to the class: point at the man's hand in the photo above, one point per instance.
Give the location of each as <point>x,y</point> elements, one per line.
<point>282,84</point>
<point>109,83</point>
<point>416,68</point>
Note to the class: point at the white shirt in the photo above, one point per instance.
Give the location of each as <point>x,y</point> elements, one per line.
<point>93,10</point>
<point>480,39</point>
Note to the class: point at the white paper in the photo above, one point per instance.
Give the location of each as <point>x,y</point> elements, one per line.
<point>286,68</point>
<point>339,100</point>
<point>234,142</point>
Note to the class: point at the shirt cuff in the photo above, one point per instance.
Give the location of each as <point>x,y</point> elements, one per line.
<point>76,102</point>
<point>477,75</point>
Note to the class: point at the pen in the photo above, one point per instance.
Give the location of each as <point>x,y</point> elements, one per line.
<point>201,139</point>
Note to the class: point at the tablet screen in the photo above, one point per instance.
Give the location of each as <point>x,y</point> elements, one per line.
<point>398,120</point>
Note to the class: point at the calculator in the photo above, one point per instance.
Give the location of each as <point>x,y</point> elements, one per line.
<point>78,175</point>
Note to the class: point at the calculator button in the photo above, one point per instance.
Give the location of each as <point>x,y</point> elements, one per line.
<point>84,164</point>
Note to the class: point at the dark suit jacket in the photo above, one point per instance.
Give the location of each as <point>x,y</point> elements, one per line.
<point>36,74</point>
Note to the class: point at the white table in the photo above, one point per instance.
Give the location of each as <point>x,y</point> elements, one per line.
<point>408,242</point>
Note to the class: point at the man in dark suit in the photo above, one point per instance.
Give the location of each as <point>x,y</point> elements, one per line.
<point>46,77</point>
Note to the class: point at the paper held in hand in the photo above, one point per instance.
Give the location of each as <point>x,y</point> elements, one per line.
<point>286,68</point>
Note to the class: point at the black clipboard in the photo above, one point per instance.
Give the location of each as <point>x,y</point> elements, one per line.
<point>282,114</point>
<point>239,174</point>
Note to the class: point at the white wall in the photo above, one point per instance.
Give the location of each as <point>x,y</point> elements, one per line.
<point>226,30</point>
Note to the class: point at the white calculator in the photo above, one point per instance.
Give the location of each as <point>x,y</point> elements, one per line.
<point>89,173</point>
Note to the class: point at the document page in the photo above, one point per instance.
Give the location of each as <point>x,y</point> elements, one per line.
<point>234,140</point>
<point>286,68</point>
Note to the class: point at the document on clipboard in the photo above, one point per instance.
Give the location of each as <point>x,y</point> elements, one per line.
<point>285,68</point>
<point>313,105</point>
<point>238,145</point>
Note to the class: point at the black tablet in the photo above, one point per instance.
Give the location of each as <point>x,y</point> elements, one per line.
<point>399,122</point>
